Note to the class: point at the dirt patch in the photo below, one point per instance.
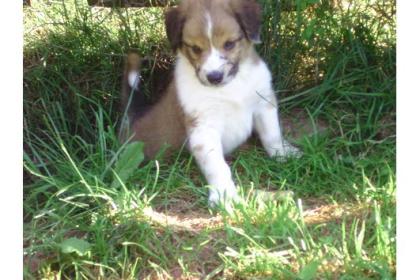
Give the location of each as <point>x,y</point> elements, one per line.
<point>199,219</point>
<point>35,261</point>
<point>297,124</point>
<point>334,212</point>
<point>388,127</point>
<point>193,222</point>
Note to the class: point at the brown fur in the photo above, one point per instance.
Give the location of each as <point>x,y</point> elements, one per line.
<point>162,125</point>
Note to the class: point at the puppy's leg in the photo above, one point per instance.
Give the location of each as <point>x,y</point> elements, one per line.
<point>206,146</point>
<point>267,125</point>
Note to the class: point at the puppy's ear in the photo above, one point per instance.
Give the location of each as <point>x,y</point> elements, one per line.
<point>174,23</point>
<point>248,15</point>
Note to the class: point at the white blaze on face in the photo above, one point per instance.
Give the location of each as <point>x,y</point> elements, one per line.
<point>209,27</point>
<point>215,61</point>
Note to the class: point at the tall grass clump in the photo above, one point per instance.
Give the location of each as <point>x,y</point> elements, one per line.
<point>94,209</point>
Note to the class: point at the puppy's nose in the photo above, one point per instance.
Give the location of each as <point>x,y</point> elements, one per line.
<point>215,77</point>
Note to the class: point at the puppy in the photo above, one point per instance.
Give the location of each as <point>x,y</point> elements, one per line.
<point>220,91</point>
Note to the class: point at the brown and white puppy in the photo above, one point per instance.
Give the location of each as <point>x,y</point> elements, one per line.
<point>221,90</point>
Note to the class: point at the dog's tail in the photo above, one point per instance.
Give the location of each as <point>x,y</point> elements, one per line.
<point>132,98</point>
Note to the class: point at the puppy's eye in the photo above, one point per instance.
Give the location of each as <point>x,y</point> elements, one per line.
<point>229,45</point>
<point>196,49</point>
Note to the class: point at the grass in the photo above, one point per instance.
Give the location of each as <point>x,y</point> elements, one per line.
<point>88,214</point>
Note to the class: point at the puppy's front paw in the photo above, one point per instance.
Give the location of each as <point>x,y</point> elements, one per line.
<point>285,150</point>
<point>292,151</point>
<point>223,195</point>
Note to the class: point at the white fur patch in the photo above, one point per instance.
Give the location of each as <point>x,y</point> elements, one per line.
<point>214,62</point>
<point>134,79</point>
<point>207,149</point>
<point>266,123</point>
<point>209,26</point>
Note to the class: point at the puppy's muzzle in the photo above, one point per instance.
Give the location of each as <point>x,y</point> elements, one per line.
<point>215,77</point>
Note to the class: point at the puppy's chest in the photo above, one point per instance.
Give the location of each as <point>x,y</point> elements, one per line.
<point>236,124</point>
<point>230,113</point>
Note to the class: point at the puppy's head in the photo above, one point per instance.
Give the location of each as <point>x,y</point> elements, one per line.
<point>214,35</point>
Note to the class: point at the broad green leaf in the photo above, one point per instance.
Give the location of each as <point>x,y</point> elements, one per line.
<point>128,162</point>
<point>308,272</point>
<point>75,245</point>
